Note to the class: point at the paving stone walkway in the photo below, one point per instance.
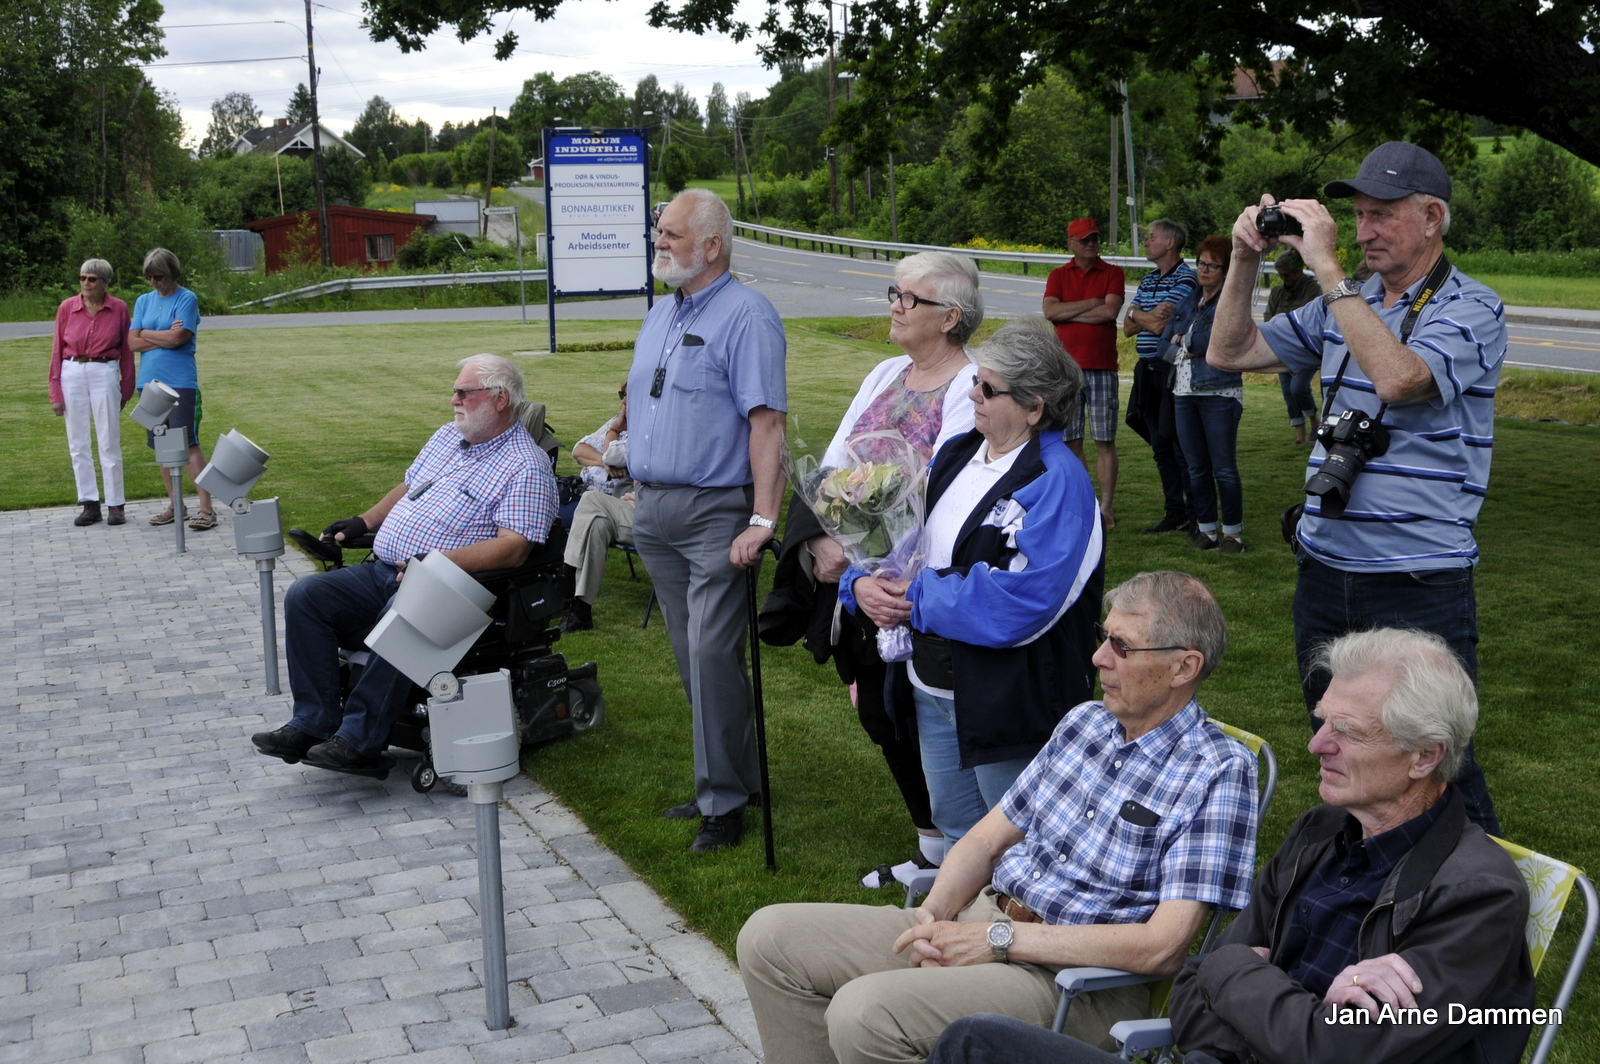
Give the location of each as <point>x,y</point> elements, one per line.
<point>168,895</point>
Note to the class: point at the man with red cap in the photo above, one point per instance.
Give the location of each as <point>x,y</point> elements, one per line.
<point>1082,299</point>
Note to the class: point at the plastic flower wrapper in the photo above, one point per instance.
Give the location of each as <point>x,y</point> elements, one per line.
<point>870,503</point>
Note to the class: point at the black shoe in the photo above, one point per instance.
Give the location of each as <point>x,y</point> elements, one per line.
<point>719,832</point>
<point>90,515</point>
<point>287,742</point>
<point>580,618</point>
<point>115,516</point>
<point>1168,524</point>
<point>691,809</point>
<point>1202,540</point>
<point>336,755</point>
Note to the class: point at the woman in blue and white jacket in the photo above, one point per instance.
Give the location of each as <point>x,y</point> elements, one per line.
<point>1003,616</point>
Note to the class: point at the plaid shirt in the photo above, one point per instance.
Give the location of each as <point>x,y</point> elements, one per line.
<point>1084,862</point>
<point>460,495</point>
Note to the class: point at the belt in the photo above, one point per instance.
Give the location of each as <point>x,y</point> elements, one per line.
<point>98,358</point>
<point>1016,910</point>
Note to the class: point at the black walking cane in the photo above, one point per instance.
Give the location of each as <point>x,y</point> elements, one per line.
<point>761,712</point>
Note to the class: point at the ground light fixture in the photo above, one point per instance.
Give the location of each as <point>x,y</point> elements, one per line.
<point>157,401</point>
<point>473,735</point>
<point>236,464</point>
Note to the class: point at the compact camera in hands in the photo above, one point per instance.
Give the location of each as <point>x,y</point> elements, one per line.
<point>1351,440</point>
<point>1271,221</point>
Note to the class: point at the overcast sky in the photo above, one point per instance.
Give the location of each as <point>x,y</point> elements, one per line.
<point>448,81</point>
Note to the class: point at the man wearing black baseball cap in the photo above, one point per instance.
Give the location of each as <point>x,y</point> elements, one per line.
<point>1413,357</point>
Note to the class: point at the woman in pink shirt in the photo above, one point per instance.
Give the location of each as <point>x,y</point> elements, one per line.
<point>91,375</point>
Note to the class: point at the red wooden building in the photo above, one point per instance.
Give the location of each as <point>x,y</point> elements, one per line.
<point>361,237</point>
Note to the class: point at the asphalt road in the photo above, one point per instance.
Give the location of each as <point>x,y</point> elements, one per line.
<point>806,284</point>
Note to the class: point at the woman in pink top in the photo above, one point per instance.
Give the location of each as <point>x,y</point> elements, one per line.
<point>91,375</point>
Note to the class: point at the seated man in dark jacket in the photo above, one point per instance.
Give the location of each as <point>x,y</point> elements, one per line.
<point>1381,910</point>
<point>1136,816</point>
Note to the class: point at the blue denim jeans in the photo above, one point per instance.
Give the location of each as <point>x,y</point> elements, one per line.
<point>1297,393</point>
<point>1208,427</point>
<point>1330,602</point>
<point>960,796</point>
<point>317,611</point>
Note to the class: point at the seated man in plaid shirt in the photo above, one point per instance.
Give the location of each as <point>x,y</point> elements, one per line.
<point>482,492</point>
<point>1134,818</point>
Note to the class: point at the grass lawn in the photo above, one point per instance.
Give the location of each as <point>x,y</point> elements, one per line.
<point>1574,293</point>
<point>344,410</point>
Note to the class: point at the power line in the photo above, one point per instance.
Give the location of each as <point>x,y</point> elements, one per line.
<point>225,62</point>
<point>215,25</point>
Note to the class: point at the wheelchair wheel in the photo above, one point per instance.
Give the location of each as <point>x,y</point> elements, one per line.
<point>423,777</point>
<point>586,706</point>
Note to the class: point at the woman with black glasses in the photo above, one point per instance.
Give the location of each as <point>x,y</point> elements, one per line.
<point>1003,615</point>
<point>934,307</point>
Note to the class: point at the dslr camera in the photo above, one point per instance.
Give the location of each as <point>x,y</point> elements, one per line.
<point>1351,440</point>
<point>1272,222</point>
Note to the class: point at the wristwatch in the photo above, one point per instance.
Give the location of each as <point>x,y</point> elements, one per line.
<point>756,520</point>
<point>1000,935</point>
<point>1347,287</point>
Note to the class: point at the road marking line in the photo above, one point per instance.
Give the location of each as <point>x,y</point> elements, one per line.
<point>863,273</point>
<point>786,262</point>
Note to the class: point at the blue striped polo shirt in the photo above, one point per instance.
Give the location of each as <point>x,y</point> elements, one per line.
<point>1413,508</point>
<point>1174,287</point>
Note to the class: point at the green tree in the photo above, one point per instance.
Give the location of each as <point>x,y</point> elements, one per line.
<point>1540,197</point>
<point>78,122</point>
<point>299,110</point>
<point>377,134</point>
<point>470,162</point>
<point>233,114</point>
<point>588,99</point>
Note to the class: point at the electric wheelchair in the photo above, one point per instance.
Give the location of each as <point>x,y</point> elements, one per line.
<point>552,700</point>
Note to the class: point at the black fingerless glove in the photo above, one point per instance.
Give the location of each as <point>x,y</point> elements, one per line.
<point>352,527</point>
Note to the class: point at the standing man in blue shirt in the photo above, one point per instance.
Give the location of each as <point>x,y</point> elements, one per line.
<point>1417,348</point>
<point>707,398</point>
<point>161,331</point>
<point>1160,291</point>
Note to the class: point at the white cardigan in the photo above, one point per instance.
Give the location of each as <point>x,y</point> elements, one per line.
<point>957,405</point>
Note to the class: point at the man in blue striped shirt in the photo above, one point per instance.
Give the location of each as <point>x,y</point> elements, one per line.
<point>1418,347</point>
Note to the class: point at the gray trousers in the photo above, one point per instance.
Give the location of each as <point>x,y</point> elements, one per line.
<point>826,988</point>
<point>599,521</point>
<point>683,535</point>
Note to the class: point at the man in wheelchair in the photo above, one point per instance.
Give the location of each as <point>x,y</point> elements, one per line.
<point>482,492</point>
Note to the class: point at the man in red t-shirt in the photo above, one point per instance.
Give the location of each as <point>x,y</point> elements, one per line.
<point>1083,298</point>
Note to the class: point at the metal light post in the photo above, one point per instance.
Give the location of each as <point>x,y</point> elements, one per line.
<point>236,464</point>
<point>156,403</point>
<point>516,223</point>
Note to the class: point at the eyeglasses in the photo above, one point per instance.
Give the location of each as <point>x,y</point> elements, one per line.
<point>155,277</point>
<point>1203,265</point>
<point>910,300</point>
<point>86,278</point>
<point>1092,238</point>
<point>1121,649</point>
<point>990,391</point>
<point>622,394</point>
<point>462,393</point>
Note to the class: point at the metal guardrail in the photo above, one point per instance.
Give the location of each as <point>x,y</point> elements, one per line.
<point>376,282</point>
<point>829,241</point>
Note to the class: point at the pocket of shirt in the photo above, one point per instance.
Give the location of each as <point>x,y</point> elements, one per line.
<point>463,512</point>
<point>693,372</point>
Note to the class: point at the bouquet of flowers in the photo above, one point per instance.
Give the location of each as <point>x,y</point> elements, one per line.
<point>871,505</point>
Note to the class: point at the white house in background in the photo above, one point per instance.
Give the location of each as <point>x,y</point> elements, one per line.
<point>281,138</point>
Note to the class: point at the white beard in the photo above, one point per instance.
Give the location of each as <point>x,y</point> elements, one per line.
<point>674,273</point>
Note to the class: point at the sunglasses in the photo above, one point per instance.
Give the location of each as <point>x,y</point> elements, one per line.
<point>1121,649</point>
<point>86,278</point>
<point>1092,238</point>
<point>155,277</point>
<point>623,394</point>
<point>990,391</point>
<point>910,300</point>
<point>462,393</point>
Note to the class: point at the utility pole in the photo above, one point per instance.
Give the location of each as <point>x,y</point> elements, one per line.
<point>1114,182</point>
<point>488,181</point>
<point>1127,141</point>
<point>324,230</point>
<point>894,207</point>
<point>833,156</point>
<point>738,138</point>
<point>849,95</point>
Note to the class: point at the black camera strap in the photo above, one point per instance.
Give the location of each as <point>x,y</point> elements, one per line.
<point>1430,287</point>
